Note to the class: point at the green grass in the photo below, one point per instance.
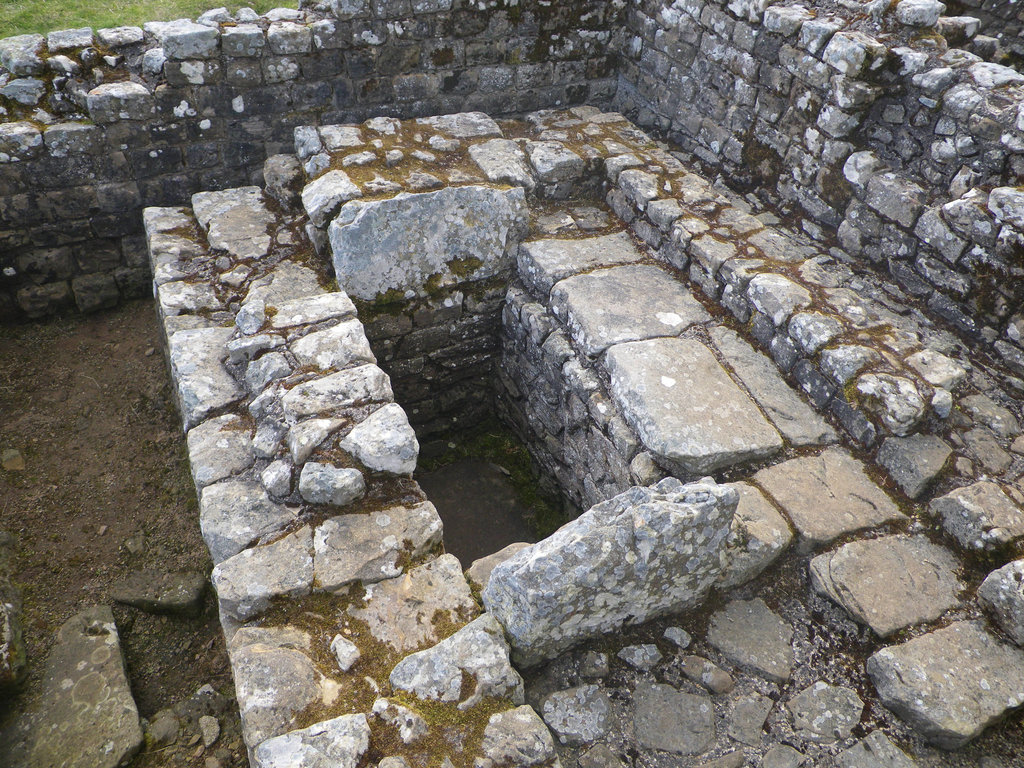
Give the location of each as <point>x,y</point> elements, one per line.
<point>18,17</point>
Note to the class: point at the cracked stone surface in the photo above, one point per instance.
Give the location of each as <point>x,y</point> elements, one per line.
<point>628,303</point>
<point>828,495</point>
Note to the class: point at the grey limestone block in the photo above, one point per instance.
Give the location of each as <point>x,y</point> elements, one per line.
<point>235,513</point>
<point>184,39</point>
<point>669,529</point>
<point>685,407</point>
<point>980,516</point>
<point>460,233</point>
<point>890,582</point>
<point>111,102</point>
<point>478,650</point>
<point>1002,592</point>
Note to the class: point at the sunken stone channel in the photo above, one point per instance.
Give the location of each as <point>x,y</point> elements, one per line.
<point>398,280</point>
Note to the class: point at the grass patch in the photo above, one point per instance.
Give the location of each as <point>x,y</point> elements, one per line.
<point>19,17</point>
<point>495,442</point>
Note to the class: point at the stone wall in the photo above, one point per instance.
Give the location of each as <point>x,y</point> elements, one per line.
<point>783,100</point>
<point>97,126</point>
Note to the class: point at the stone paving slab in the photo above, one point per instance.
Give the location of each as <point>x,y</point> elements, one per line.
<point>628,303</point>
<point>952,683</point>
<point>980,516</point>
<point>798,422</point>
<point>90,714</point>
<point>827,495</point>
<point>891,582</point>
<point>685,407</point>
<point>542,263</point>
<point>748,632</point>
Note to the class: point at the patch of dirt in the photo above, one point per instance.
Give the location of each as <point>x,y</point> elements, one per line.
<point>105,491</point>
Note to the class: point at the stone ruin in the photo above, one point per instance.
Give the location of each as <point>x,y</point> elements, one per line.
<point>744,277</point>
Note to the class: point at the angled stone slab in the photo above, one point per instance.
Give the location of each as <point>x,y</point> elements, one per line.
<point>644,553</point>
<point>828,495</point>
<point>367,548</point>
<point>234,513</point>
<point>202,382</point>
<point>477,651</point>
<point>452,234</point>
<point>950,684</point>
<point>889,583</point>
<point>1002,592</point>
<point>914,462</point>
<point>798,422</point>
<point>89,719</point>
<point>628,303</point>
<point>402,612</point>
<point>542,263</point>
<point>685,407</point>
<point>758,535</point>
<point>748,632</point>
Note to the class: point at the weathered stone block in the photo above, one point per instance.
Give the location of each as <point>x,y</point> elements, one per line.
<point>403,243</point>
<point>573,585</point>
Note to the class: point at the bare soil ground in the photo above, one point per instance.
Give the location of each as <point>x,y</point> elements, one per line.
<point>105,491</point>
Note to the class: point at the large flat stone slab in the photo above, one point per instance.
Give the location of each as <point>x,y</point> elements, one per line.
<point>90,719</point>
<point>197,367</point>
<point>950,684</point>
<point>758,535</point>
<point>889,583</point>
<point>798,422</point>
<point>685,407</point>
<point>644,553</point>
<point>628,303</point>
<point>452,235</point>
<point>542,263</point>
<point>828,495</point>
